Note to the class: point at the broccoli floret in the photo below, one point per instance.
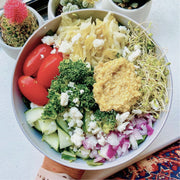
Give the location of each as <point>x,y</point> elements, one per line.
<point>80,94</point>
<point>76,72</point>
<point>106,120</point>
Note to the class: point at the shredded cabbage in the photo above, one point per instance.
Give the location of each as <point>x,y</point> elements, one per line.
<point>106,30</point>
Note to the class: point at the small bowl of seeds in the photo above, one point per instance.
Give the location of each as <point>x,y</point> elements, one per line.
<point>135,9</point>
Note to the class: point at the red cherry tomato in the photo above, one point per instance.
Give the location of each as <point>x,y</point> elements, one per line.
<point>49,69</point>
<point>32,90</point>
<point>35,58</point>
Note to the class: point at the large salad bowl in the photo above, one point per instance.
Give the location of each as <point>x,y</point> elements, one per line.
<point>35,137</point>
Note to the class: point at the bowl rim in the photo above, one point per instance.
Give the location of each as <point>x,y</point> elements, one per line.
<point>109,164</point>
<point>50,3</point>
<point>130,10</point>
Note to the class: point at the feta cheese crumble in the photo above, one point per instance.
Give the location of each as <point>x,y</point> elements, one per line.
<point>76,38</point>
<point>64,99</point>
<point>49,40</point>
<point>53,51</point>
<point>65,47</point>
<point>77,137</point>
<point>134,55</point>
<point>81,91</point>
<point>98,43</point>
<point>122,117</point>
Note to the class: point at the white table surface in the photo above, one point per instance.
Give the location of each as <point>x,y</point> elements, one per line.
<point>19,160</point>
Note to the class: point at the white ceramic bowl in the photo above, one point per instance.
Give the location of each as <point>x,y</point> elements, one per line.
<point>140,14</point>
<point>14,51</point>
<point>34,136</point>
<point>52,5</point>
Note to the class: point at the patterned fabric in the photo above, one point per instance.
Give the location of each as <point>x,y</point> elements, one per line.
<point>164,164</point>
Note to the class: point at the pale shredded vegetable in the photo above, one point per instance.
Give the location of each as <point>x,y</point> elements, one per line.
<point>106,30</point>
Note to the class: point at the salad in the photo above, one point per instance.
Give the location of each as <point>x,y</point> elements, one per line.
<point>94,88</point>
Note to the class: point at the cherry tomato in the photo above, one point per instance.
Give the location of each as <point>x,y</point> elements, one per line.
<point>35,58</point>
<point>32,90</point>
<point>49,69</point>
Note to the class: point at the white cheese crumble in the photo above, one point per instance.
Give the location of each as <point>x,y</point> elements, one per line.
<point>65,116</point>
<point>76,101</point>
<point>122,117</point>
<point>49,40</point>
<point>76,38</point>
<point>81,91</point>
<point>136,111</point>
<point>134,55</point>
<point>122,29</point>
<point>98,43</point>
<point>93,127</point>
<point>79,123</point>
<point>65,47</point>
<point>71,84</point>
<point>71,123</point>
<point>92,117</point>
<point>53,51</point>
<point>91,142</point>
<point>122,126</point>
<point>77,139</point>
<point>75,113</point>
<point>64,99</point>
<point>88,65</point>
<point>125,51</point>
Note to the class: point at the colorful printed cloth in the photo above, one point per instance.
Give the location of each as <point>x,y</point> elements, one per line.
<point>164,164</point>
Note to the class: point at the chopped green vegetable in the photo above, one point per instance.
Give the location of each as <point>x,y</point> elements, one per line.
<point>106,120</point>
<point>141,140</point>
<point>92,163</point>
<point>67,155</point>
<point>74,77</point>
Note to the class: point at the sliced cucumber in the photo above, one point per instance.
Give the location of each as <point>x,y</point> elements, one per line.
<point>37,125</point>
<point>61,123</point>
<point>92,163</point>
<point>47,126</point>
<point>70,156</point>
<point>83,153</point>
<point>52,140</point>
<point>64,139</point>
<point>87,119</point>
<point>33,115</point>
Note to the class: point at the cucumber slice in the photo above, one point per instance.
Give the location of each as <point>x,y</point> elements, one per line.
<point>47,126</point>
<point>61,123</point>
<point>64,139</point>
<point>86,119</point>
<point>70,156</point>
<point>52,140</point>
<point>37,126</point>
<point>33,115</point>
<point>92,163</point>
<point>83,153</point>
